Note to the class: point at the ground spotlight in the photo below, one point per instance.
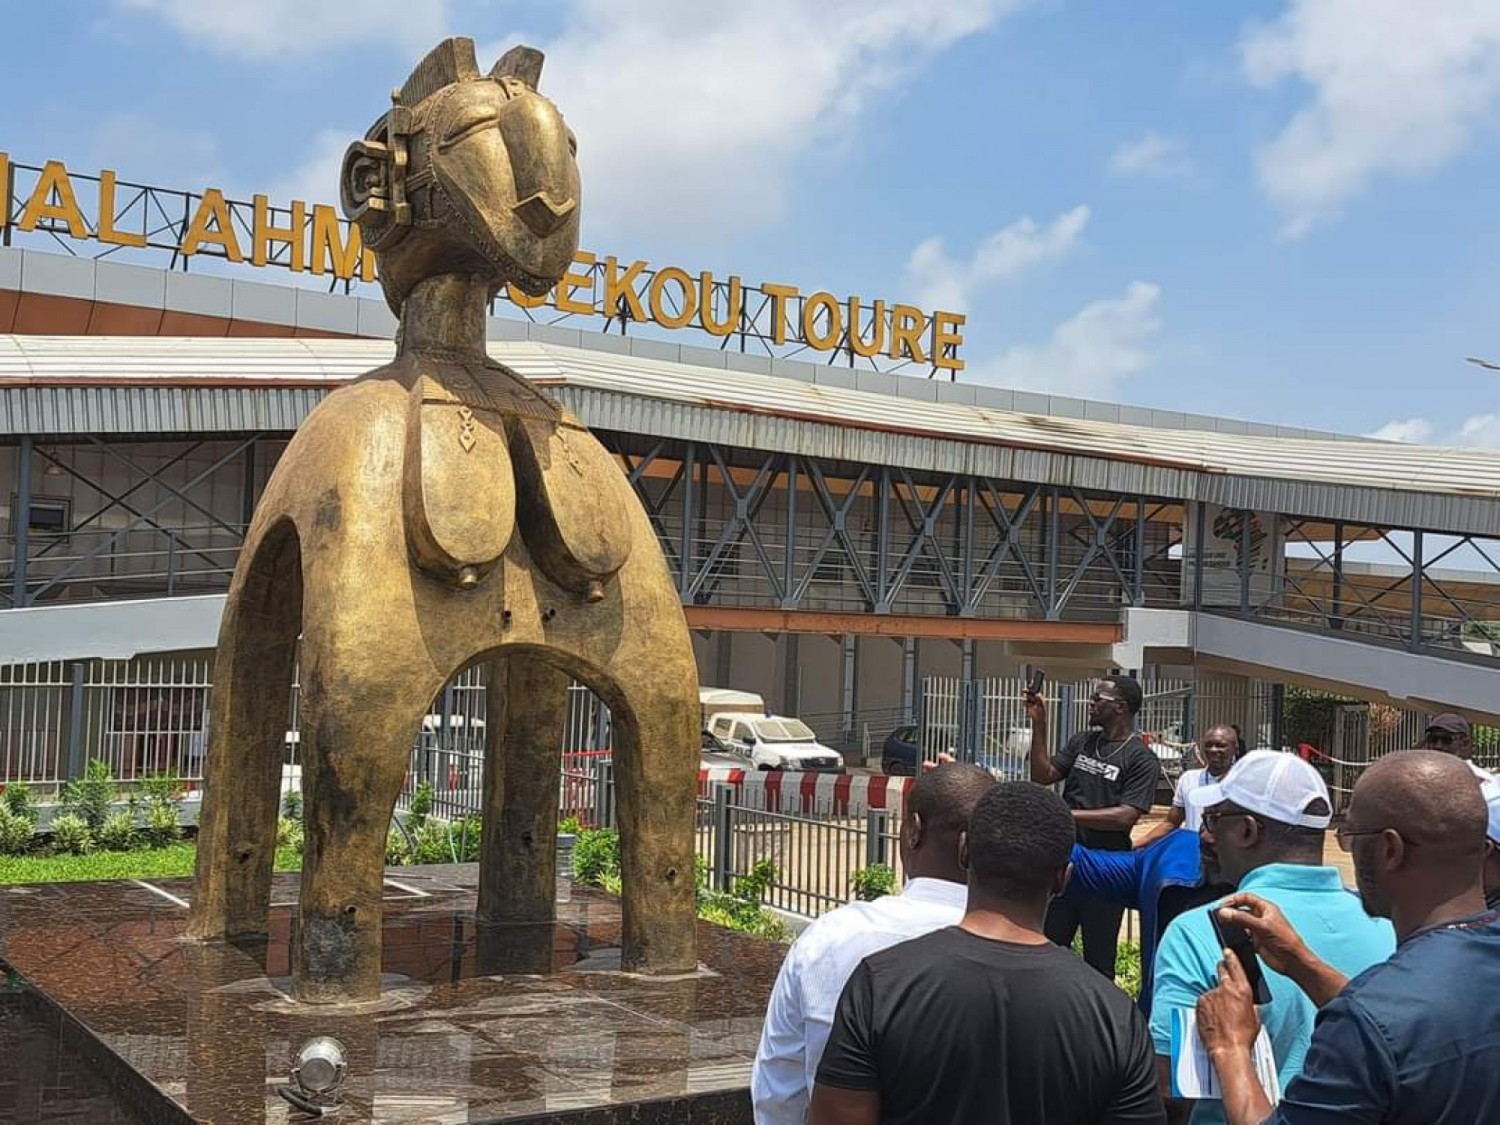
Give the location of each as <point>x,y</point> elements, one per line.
<point>317,1073</point>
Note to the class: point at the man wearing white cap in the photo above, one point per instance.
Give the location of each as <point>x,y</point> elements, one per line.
<point>1263,831</point>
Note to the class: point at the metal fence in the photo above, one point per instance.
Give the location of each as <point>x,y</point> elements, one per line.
<point>984,720</point>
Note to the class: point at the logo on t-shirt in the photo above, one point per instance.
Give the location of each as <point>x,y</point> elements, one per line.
<point>1095,766</point>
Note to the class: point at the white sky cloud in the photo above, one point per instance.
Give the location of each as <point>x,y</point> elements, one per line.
<point>1151,155</point>
<point>938,281</point>
<point>1395,87</point>
<point>315,179</point>
<point>695,114</point>
<point>1088,354</point>
<point>278,29</point>
<point>1478,431</point>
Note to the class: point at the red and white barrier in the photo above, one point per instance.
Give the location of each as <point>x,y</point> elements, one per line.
<point>807,794</point>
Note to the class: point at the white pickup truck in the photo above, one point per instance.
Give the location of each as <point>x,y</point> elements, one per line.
<point>769,742</point>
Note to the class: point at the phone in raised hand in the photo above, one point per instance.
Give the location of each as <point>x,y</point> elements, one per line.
<point>1237,940</point>
<point>1034,684</point>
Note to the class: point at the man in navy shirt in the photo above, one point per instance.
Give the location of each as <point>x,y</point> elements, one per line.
<point>1413,1040</point>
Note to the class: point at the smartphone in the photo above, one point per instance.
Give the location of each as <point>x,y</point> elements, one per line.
<point>1236,939</point>
<point>1038,677</point>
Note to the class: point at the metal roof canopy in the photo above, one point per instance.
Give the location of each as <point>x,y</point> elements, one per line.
<point>56,386</point>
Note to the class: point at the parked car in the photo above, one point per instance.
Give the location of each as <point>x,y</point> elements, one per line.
<point>774,742</point>
<point>901,752</point>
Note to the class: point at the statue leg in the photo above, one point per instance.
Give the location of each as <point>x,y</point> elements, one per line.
<point>247,740</point>
<point>361,709</point>
<point>656,747</point>
<point>527,705</point>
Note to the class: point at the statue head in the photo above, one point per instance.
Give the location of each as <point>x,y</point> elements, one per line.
<point>468,173</point>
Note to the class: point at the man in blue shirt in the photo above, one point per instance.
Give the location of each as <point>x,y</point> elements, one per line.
<point>1415,1039</point>
<point>1160,880</point>
<point>1263,831</point>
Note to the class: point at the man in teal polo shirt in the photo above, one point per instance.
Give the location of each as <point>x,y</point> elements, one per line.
<point>1263,831</point>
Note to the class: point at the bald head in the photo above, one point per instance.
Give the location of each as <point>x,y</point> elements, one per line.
<point>1431,799</point>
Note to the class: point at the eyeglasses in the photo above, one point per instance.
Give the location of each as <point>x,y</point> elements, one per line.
<point>1211,819</point>
<point>1100,697</point>
<point>1345,835</point>
<point>1440,740</point>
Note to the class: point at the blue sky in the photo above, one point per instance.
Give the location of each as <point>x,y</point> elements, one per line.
<point>1282,210</point>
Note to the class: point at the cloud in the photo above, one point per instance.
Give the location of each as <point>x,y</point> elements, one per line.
<point>268,30</point>
<point>1395,88</point>
<point>1478,431</point>
<point>940,282</point>
<point>1088,354</point>
<point>694,115</point>
<point>1152,156</point>
<point>145,150</point>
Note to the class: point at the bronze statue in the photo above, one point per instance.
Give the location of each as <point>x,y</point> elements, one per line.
<point>387,537</point>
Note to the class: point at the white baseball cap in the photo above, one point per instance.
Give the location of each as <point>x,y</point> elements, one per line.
<point>1275,784</point>
<point>1490,787</point>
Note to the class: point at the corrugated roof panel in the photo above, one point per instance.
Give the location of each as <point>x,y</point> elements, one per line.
<point>148,384</point>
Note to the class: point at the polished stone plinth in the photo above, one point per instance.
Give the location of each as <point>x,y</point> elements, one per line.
<point>475,1023</point>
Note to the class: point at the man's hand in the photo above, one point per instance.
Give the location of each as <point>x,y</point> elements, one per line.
<point>1276,943</point>
<point>1227,1022</point>
<point>1035,707</point>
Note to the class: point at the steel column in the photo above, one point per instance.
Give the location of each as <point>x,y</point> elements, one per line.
<point>247,495</point>
<point>1416,590</point>
<point>21,521</point>
<point>1138,578</point>
<point>791,674</point>
<point>1199,530</point>
<point>76,750</point>
<point>689,495</point>
<point>849,701</point>
<point>1338,574</point>
<point>908,679</point>
<point>1053,527</point>
<point>789,598</point>
<point>883,543</point>
<point>1245,559</point>
<point>1278,714</point>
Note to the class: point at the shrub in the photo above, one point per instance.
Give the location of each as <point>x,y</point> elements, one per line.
<point>117,833</point>
<point>72,834</point>
<point>873,882</point>
<point>161,789</point>
<point>289,833</point>
<point>466,834</point>
<point>421,804</point>
<point>397,848</point>
<point>89,797</point>
<point>161,825</point>
<point>15,832</point>
<point>18,800</point>
<point>291,805</point>
<point>596,853</point>
<point>1128,968</point>
<point>432,841</point>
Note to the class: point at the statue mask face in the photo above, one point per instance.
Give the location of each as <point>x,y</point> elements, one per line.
<point>506,163</point>
<point>467,173</point>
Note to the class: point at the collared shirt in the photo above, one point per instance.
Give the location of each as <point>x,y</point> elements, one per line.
<point>1331,921</point>
<point>813,975</point>
<point>1183,797</point>
<point>1412,1041</point>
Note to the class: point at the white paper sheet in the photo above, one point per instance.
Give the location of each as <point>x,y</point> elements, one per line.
<point>1193,1074</point>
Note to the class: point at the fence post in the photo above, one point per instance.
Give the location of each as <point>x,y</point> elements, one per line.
<point>604,793</point>
<point>723,837</point>
<point>1064,724</point>
<point>76,749</point>
<point>21,515</point>
<point>875,820</point>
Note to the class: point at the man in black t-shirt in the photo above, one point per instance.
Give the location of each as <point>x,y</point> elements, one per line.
<point>1109,778</point>
<point>987,1021</point>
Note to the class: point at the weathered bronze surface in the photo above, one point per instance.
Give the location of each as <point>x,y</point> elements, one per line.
<point>437,513</point>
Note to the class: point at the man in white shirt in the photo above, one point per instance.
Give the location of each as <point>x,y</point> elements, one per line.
<point>800,1014</point>
<point>1217,750</point>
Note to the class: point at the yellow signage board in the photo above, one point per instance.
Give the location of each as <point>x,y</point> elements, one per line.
<point>316,239</point>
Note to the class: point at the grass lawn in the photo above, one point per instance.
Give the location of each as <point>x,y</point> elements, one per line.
<point>170,862</point>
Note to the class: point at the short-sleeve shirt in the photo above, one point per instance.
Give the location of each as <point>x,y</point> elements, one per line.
<point>1331,921</point>
<point>1412,1041</point>
<point>958,1029</point>
<point>1183,797</point>
<point>1099,774</point>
